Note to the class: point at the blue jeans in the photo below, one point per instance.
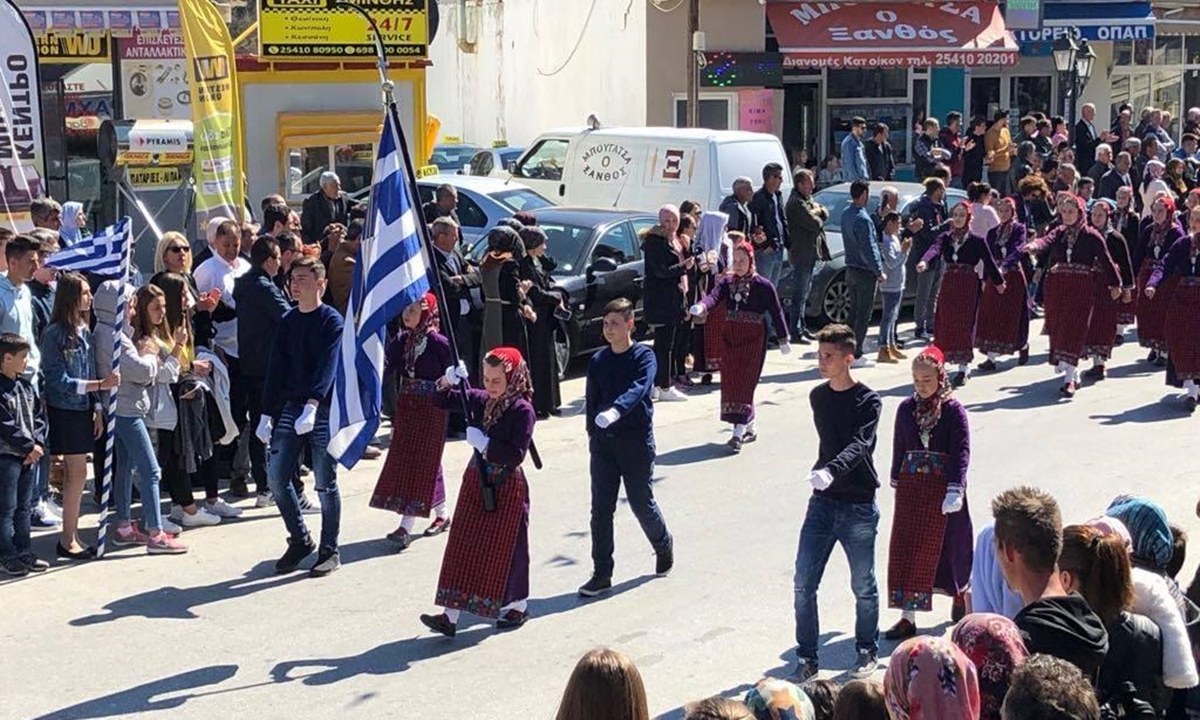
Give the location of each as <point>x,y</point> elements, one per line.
<point>135,452</point>
<point>855,526</point>
<point>861,284</point>
<point>929,285</point>
<point>16,490</point>
<point>284,462</point>
<point>802,277</point>
<point>769,263</point>
<point>891,314</point>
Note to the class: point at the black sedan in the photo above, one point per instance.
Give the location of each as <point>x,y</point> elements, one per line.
<point>599,256</point>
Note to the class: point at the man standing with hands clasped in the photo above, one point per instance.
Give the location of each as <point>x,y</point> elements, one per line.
<point>842,508</point>
<point>620,427</point>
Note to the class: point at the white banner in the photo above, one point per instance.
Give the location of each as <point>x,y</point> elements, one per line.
<point>22,157</point>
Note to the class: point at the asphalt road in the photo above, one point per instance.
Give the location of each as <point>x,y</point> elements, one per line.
<point>215,634</point>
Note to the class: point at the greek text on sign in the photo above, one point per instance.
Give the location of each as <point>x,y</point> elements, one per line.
<point>606,162</point>
<point>308,29</point>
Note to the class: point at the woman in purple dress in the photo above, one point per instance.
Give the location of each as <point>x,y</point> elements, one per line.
<point>932,540</point>
<point>748,299</point>
<point>1003,327</point>
<point>485,570</point>
<point>411,482</point>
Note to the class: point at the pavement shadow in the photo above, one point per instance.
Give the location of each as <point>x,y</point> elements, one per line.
<point>696,453</point>
<point>180,603</point>
<point>812,373</point>
<point>144,698</point>
<point>1139,368</point>
<point>387,659</point>
<point>1165,409</point>
<point>1023,397</point>
<point>557,604</point>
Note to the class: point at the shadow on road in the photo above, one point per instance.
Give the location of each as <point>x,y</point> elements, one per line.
<point>696,453</point>
<point>1024,397</point>
<point>141,699</point>
<point>1163,410</point>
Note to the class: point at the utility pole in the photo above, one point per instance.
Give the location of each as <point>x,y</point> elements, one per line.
<point>693,67</point>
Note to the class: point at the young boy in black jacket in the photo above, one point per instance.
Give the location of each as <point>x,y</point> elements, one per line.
<point>22,435</point>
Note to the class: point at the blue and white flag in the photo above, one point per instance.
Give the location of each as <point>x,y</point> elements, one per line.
<point>391,274</point>
<point>102,254</point>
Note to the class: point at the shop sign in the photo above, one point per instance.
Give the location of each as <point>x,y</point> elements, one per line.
<point>606,162</point>
<point>73,47</point>
<point>1105,33</point>
<point>154,178</point>
<point>154,76</point>
<point>308,30</point>
<point>897,60</point>
<point>21,151</point>
<point>756,110</point>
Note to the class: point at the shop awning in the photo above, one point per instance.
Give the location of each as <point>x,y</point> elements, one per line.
<point>1178,20</point>
<point>891,35</point>
<point>120,21</point>
<point>1099,21</point>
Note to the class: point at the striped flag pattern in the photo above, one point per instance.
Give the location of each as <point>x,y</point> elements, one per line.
<point>102,254</point>
<point>392,273</point>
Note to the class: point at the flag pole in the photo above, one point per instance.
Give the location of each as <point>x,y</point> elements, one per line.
<point>110,418</point>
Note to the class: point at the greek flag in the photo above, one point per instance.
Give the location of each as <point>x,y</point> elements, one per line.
<point>391,274</point>
<point>102,254</point>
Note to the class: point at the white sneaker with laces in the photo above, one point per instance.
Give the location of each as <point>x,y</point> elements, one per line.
<point>50,510</point>
<point>672,394</point>
<point>170,527</point>
<point>264,500</point>
<point>655,393</point>
<point>200,518</point>
<point>222,509</point>
<point>308,506</point>
<point>862,362</point>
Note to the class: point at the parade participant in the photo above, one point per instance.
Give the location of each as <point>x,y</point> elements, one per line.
<point>993,643</point>
<point>1003,324</point>
<point>411,482</point>
<point>485,570</point>
<point>1073,252</point>
<point>620,427</point>
<point>297,396</point>
<point>1102,328</point>
<point>1126,221</point>
<point>932,537</point>
<point>931,678</point>
<point>958,302</point>
<point>710,242</point>
<point>1148,253</point>
<point>842,508</point>
<point>748,298</point>
<point>1182,318</point>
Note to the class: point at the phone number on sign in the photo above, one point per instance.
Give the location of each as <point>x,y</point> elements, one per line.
<point>974,58</point>
<point>343,50</point>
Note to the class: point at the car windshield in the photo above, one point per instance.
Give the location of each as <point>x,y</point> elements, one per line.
<point>452,158</point>
<point>564,242</point>
<point>518,199</point>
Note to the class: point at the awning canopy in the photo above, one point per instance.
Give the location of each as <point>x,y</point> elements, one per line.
<point>1100,21</point>
<point>891,35</point>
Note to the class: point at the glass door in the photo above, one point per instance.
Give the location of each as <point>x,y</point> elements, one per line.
<point>985,96</point>
<point>802,120</point>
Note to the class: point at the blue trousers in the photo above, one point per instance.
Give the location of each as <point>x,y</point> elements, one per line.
<point>284,463</point>
<point>613,460</point>
<point>16,491</point>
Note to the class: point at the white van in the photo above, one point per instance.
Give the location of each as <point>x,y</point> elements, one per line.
<point>645,168</point>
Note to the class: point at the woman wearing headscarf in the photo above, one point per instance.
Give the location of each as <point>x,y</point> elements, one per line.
<point>485,570</point>
<point>1074,252</point>
<point>536,268</point>
<point>74,224</point>
<point>505,307</point>
<point>710,241</point>
<point>1183,311</point>
<point>931,679</point>
<point>774,699</point>
<point>994,646</point>
<point>1102,328</point>
<point>1157,236</point>
<point>1004,316</point>
<point>958,301</point>
<point>749,299</point>
<point>411,482</point>
<point>931,543</point>
<point>1126,221</point>
<point>1152,184</point>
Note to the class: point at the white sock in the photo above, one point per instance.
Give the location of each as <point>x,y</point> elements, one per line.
<point>1072,374</point>
<point>407,522</point>
<point>452,615</point>
<point>1097,361</point>
<point>750,426</point>
<point>1062,367</point>
<point>1192,391</point>
<point>1121,329</point>
<point>992,357</point>
<point>909,615</point>
<point>439,510</point>
<point>739,431</point>
<point>964,369</point>
<point>518,605</point>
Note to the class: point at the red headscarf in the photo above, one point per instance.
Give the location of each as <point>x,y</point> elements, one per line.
<point>414,340</point>
<point>966,228</point>
<point>516,372</point>
<point>749,250</point>
<point>928,410</point>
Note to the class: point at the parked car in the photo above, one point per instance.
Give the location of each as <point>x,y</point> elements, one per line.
<point>829,299</point>
<point>599,256</point>
<point>452,158</point>
<point>494,162</point>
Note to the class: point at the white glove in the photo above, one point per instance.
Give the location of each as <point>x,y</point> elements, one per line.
<point>477,439</point>
<point>820,479</point>
<point>785,348</point>
<point>953,502</point>
<point>608,417</point>
<point>263,432</point>
<point>308,418</point>
<point>697,310</point>
<point>456,374</point>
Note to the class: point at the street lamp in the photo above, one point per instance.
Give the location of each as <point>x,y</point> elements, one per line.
<point>1074,61</point>
<point>1065,50</point>
<point>1085,60</point>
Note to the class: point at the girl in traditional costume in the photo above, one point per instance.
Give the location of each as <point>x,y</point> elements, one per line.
<point>1156,238</point>
<point>1004,316</point>
<point>1183,312</point>
<point>1106,309</point>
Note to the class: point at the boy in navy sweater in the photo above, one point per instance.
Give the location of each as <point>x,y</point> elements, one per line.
<point>620,425</point>
<point>296,401</point>
<point>22,434</point>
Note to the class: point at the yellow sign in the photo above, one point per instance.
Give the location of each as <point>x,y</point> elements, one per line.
<point>428,170</point>
<point>154,177</point>
<point>307,30</point>
<point>63,48</point>
<point>147,159</point>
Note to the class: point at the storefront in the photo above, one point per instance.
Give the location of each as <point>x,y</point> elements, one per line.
<point>1163,71</point>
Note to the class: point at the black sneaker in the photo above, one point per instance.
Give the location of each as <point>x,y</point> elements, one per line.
<point>665,560</point>
<point>440,624</point>
<point>33,563</point>
<point>596,586</point>
<point>987,366</point>
<point>13,567</point>
<point>296,551</point>
<point>959,379</point>
<point>805,671</point>
<point>400,538</point>
<point>864,665</point>
<point>1023,356</point>
<point>512,620</point>
<point>327,561</point>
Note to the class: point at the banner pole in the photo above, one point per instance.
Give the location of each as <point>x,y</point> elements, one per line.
<point>110,420</point>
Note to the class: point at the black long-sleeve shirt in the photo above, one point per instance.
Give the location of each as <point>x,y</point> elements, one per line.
<point>846,423</point>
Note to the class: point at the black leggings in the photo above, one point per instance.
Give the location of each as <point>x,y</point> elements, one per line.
<point>178,482</point>
<point>670,352</point>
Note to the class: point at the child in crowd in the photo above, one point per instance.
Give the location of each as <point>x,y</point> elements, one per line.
<point>22,434</point>
<point>894,252</point>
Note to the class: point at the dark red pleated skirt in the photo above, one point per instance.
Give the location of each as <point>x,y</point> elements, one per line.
<point>480,555</point>
<point>1004,318</point>
<point>1102,328</point>
<point>411,481</point>
<point>918,530</point>
<point>1183,329</point>
<point>1152,314</point>
<point>743,349</point>
<point>1070,288</point>
<point>958,303</point>
<point>713,347</point>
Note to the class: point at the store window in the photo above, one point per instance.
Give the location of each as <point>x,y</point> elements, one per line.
<point>716,113</point>
<point>1028,93</point>
<point>1168,50</point>
<point>1129,53</point>
<point>353,162</point>
<point>985,96</point>
<point>1166,77</point>
<point>856,84</point>
<point>305,165</point>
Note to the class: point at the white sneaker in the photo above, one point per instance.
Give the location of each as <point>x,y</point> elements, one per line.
<point>175,514</point>
<point>672,394</point>
<point>170,528</point>
<point>308,506</point>
<point>654,393</point>
<point>264,500</point>
<point>222,509</point>
<point>200,518</point>
<point>50,510</point>
<point>862,362</point>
